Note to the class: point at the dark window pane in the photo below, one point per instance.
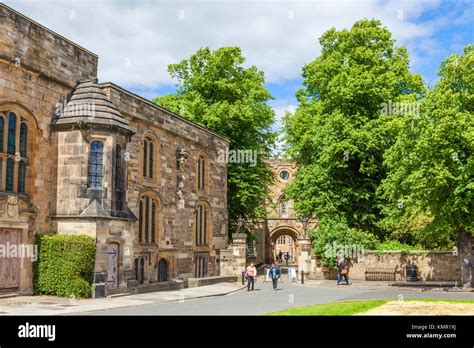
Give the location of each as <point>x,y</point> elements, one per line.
<point>23,139</point>
<point>199,173</point>
<point>150,163</point>
<point>95,164</point>
<point>140,221</point>
<point>10,170</point>
<point>118,182</point>
<point>21,177</point>
<point>205,226</point>
<point>145,145</point>
<point>147,218</point>
<point>203,166</point>
<point>2,126</point>
<point>11,133</point>
<point>153,221</point>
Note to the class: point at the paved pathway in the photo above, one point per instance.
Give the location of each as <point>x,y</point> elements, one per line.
<point>264,300</point>
<point>218,299</point>
<point>51,305</point>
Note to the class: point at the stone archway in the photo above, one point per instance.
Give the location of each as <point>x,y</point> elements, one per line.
<point>273,237</point>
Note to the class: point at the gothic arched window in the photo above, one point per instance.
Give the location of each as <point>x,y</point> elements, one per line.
<point>201,173</point>
<point>149,159</point>
<point>13,162</point>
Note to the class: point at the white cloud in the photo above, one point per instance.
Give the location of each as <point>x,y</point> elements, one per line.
<point>277,36</point>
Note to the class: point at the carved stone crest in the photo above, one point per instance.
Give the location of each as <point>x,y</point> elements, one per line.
<point>12,206</point>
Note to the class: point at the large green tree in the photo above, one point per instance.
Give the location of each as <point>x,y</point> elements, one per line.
<point>338,134</point>
<point>216,91</point>
<point>431,165</point>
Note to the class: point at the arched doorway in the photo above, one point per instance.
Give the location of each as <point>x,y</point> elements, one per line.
<point>282,242</point>
<point>162,270</point>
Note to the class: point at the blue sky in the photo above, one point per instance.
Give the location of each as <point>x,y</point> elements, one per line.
<point>136,40</point>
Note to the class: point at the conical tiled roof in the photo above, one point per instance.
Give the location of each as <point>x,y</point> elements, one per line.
<point>89,106</point>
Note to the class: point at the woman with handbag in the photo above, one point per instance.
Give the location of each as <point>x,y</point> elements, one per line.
<point>342,271</point>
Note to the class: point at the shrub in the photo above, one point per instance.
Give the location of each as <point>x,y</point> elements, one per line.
<point>396,245</point>
<point>65,265</point>
<point>333,238</point>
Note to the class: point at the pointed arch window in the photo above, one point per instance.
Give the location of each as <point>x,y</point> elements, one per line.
<point>23,139</point>
<point>149,155</point>
<point>11,133</point>
<point>201,173</point>
<point>96,164</point>
<point>13,153</point>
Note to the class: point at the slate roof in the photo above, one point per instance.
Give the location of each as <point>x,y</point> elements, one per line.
<point>88,105</point>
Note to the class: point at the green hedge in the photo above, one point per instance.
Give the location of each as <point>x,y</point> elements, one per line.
<point>65,265</point>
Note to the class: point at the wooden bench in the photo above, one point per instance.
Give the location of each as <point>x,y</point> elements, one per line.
<point>380,273</point>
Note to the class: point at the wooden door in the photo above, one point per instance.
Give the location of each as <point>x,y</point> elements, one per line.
<point>112,266</point>
<point>10,266</point>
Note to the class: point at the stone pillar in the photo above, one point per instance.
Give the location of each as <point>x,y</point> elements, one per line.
<point>303,247</point>
<point>233,259</point>
<point>465,249</point>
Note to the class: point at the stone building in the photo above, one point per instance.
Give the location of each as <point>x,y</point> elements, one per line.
<point>282,229</point>
<point>82,157</point>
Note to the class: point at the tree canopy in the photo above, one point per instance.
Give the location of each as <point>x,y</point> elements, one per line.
<point>430,166</point>
<point>215,90</point>
<point>338,134</point>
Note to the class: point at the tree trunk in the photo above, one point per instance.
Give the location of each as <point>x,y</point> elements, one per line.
<point>465,250</point>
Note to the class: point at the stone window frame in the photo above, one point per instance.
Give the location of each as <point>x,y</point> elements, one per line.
<point>119,178</point>
<point>149,219</point>
<point>282,199</point>
<point>202,236</point>
<point>282,171</point>
<point>150,141</point>
<point>19,161</point>
<point>203,187</point>
<point>103,165</point>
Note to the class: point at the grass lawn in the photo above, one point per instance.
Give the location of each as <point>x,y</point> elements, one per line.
<point>334,308</point>
<point>349,307</point>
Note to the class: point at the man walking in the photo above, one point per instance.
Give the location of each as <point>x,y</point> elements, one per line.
<point>275,275</point>
<point>250,274</point>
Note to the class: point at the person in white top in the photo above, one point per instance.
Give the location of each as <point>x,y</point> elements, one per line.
<point>250,274</point>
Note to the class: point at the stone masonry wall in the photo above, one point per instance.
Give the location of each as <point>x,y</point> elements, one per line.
<point>432,265</point>
<point>34,47</point>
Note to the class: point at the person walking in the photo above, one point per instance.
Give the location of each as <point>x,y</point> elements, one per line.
<point>280,256</point>
<point>250,274</point>
<point>342,271</point>
<point>275,275</point>
<point>287,257</point>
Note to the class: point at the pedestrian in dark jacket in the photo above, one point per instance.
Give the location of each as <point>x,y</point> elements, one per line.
<point>342,270</point>
<point>274,275</point>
